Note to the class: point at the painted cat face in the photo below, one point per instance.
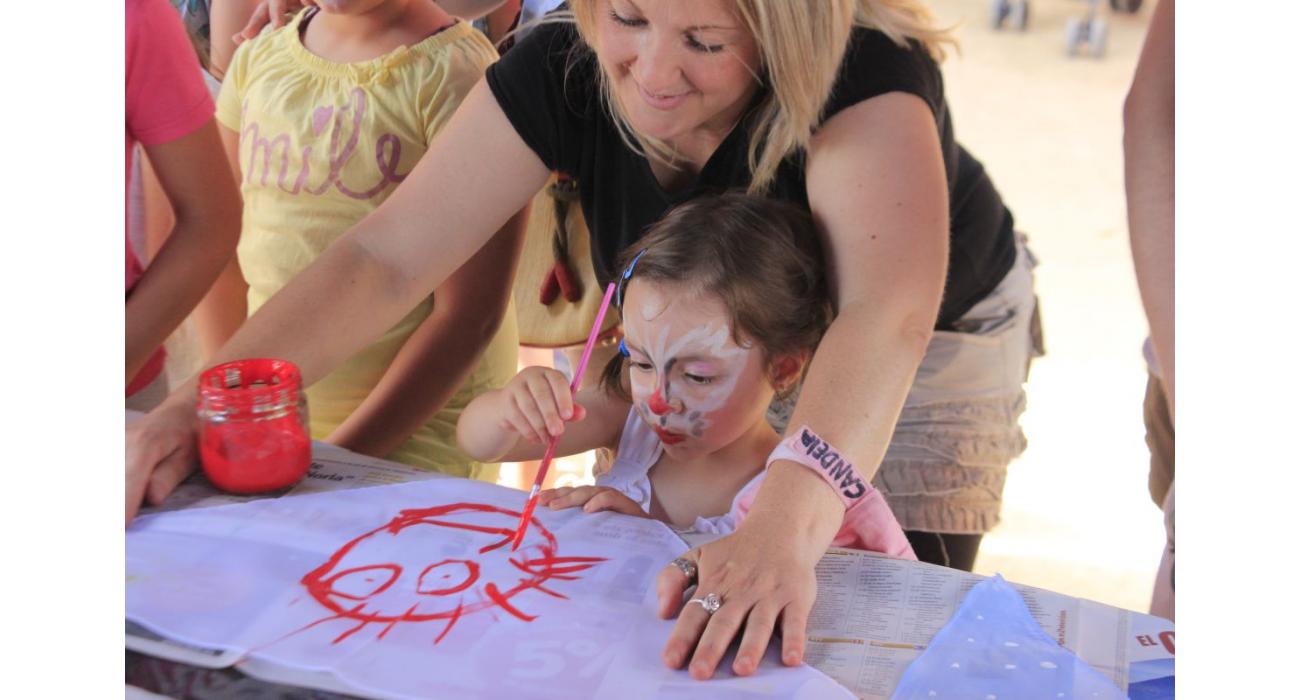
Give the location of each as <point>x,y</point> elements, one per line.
<point>691,381</point>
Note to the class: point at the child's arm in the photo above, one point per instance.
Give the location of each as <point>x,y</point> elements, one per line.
<point>225,306</point>
<point>514,423</point>
<point>207,209</point>
<point>443,350</point>
<point>225,18</point>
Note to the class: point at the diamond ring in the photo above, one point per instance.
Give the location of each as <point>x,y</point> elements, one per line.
<point>687,567</point>
<point>710,602</point>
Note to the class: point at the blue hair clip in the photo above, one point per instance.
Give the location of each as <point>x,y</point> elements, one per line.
<point>622,348</point>
<point>627,275</point>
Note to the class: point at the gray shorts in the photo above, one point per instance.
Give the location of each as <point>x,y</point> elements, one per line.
<point>959,428</point>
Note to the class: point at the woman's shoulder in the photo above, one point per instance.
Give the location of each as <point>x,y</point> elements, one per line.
<point>550,38</point>
<point>874,64</point>
<point>548,86</point>
<point>552,58</point>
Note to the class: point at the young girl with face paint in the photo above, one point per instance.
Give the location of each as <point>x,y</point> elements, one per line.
<point>723,303</point>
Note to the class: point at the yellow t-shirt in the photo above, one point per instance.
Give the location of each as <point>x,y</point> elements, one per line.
<point>321,145</point>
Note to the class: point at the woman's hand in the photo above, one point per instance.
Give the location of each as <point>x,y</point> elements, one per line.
<point>269,11</point>
<point>763,573</point>
<point>536,404</point>
<point>160,453</point>
<point>593,499</point>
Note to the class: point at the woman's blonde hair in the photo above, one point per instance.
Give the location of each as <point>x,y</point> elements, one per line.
<point>801,44</point>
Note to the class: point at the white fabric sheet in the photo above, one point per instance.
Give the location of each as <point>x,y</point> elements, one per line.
<point>398,591</point>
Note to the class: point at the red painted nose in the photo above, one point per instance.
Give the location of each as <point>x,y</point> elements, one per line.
<point>657,404</point>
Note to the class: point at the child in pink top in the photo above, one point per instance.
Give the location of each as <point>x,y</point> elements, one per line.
<point>723,303</point>
<point>170,113</point>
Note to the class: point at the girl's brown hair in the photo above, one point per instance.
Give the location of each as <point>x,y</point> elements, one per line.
<point>761,257</point>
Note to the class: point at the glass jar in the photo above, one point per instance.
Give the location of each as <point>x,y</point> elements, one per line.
<point>253,433</point>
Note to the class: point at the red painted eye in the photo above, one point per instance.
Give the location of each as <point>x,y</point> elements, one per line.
<point>447,577</point>
<point>362,582</point>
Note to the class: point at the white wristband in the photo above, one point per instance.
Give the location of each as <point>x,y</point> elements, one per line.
<point>809,449</point>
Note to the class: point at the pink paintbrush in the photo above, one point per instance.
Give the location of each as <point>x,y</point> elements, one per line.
<point>573,390</point>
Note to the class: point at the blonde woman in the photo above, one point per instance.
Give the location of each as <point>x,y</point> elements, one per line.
<point>836,105</point>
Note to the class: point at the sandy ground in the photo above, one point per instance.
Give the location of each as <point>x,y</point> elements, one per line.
<point>1077,517</point>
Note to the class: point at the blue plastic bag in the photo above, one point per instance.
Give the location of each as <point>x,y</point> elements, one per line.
<point>993,649</point>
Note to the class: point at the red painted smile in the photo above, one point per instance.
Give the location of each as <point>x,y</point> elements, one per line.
<point>667,436</point>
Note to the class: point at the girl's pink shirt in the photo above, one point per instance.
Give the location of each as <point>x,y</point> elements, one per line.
<point>166,99</point>
<point>869,525</point>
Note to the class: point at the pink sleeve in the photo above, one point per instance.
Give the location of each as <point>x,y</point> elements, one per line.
<point>165,94</point>
<point>869,525</point>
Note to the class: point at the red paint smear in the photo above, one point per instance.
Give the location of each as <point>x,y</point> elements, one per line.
<point>504,602</point>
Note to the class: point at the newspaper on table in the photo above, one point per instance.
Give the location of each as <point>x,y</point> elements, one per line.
<point>874,615</point>
<point>332,469</point>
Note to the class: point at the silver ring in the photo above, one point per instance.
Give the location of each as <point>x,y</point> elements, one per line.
<point>687,567</point>
<point>710,602</point>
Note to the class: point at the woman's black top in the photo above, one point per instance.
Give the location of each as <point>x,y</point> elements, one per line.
<point>547,87</point>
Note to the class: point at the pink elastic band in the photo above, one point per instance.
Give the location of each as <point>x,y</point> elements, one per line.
<point>809,449</point>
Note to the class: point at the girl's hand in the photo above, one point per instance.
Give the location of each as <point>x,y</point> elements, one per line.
<point>272,11</point>
<point>593,499</point>
<point>537,403</point>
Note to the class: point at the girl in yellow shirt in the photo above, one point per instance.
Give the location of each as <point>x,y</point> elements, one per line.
<point>324,117</point>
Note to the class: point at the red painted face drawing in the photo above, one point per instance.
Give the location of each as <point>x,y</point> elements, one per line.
<point>400,572</point>
<point>691,382</point>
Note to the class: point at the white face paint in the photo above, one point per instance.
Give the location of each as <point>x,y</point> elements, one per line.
<point>691,381</point>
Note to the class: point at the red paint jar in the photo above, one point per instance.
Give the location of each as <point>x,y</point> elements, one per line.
<point>253,432</point>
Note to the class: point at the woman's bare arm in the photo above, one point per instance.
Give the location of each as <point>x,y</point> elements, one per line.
<point>877,187</point>
<point>443,350</point>
<point>475,175</point>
